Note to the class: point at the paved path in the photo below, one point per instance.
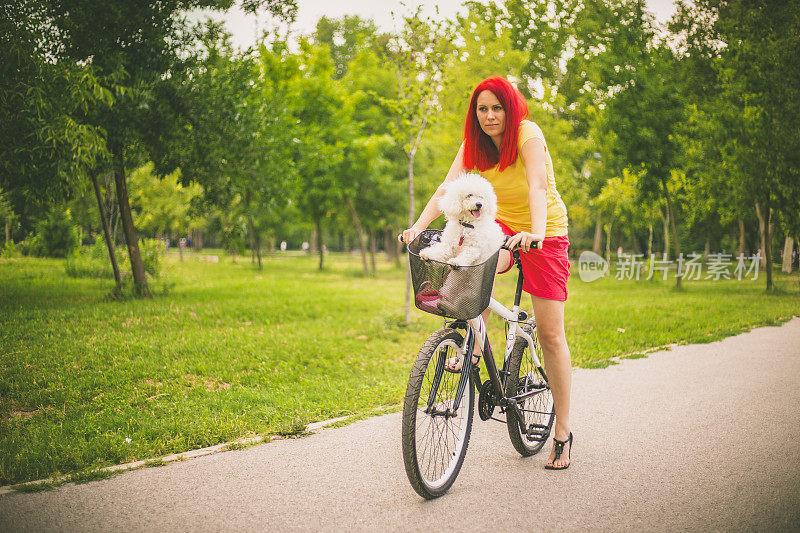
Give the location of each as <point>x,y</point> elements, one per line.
<point>696,438</point>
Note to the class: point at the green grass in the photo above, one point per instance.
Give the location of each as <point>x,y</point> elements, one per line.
<point>229,351</point>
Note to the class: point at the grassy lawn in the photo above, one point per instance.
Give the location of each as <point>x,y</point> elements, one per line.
<point>224,351</point>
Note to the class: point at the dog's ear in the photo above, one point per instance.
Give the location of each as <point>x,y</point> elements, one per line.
<point>448,201</point>
<point>442,202</point>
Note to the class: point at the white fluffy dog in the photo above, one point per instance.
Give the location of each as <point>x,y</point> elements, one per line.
<point>471,234</point>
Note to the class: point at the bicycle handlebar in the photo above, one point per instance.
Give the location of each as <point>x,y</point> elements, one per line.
<point>536,245</point>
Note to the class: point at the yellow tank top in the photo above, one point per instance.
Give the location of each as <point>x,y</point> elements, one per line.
<point>511,187</point>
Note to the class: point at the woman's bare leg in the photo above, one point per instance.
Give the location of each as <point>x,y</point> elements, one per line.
<point>550,328</point>
<point>502,264</point>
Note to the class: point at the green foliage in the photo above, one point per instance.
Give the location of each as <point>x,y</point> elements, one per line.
<point>161,205</point>
<point>93,261</point>
<point>10,249</point>
<point>46,141</point>
<point>56,235</point>
<point>152,250</point>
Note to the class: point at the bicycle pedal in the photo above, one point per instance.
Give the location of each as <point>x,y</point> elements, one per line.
<point>537,432</point>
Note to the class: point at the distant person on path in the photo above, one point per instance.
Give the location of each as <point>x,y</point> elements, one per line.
<point>510,151</point>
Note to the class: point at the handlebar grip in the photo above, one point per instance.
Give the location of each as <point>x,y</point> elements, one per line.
<point>537,245</point>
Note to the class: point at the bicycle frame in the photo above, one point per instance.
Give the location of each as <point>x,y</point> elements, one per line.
<point>476,332</point>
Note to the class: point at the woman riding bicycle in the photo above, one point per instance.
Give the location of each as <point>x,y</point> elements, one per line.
<point>511,153</point>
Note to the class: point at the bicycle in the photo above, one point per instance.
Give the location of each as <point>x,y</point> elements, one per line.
<point>438,407</point>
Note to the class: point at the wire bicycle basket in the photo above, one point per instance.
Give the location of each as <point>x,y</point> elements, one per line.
<point>441,289</point>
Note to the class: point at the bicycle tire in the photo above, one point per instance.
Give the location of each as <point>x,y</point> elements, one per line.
<point>434,445</point>
<point>537,409</point>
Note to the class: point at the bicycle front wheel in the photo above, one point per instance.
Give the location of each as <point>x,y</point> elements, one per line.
<point>529,385</point>
<point>435,429</point>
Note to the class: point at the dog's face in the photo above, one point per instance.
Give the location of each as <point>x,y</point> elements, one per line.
<point>469,198</point>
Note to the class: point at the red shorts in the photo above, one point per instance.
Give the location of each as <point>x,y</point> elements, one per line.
<point>546,271</point>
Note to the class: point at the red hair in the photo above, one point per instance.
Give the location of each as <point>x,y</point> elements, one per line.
<point>479,150</point>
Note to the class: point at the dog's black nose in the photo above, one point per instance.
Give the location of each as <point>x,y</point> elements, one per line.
<point>478,205</point>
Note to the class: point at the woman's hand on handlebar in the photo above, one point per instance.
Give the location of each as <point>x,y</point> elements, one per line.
<point>525,241</point>
<point>409,235</point>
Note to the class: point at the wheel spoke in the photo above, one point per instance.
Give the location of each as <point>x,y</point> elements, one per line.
<point>536,408</point>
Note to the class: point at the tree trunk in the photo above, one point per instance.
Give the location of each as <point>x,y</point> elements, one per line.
<point>255,242</point>
<point>707,249</point>
<point>788,247</point>
<point>197,239</point>
<point>361,239</point>
<point>116,225</point>
<point>665,220</point>
<point>137,267</point>
<point>411,215</point>
<point>106,230</point>
<point>679,274</point>
<point>318,223</point>
<point>768,249</point>
<point>608,228</point>
<point>650,239</point>
<point>741,237</point>
<point>258,251</point>
<point>312,243</point>
<point>372,251</point>
<point>8,231</point>
<point>761,233</point>
<point>392,245</point>
<point>598,236</point>
<point>112,209</point>
<point>637,247</point>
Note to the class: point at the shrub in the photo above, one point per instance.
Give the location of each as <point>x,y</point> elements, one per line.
<point>92,261</point>
<point>151,250</point>
<point>56,236</point>
<point>31,246</point>
<point>10,249</point>
<point>83,265</point>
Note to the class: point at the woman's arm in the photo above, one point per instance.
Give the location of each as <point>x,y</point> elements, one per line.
<point>431,211</point>
<point>533,153</point>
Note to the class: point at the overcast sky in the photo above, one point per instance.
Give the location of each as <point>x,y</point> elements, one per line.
<point>245,28</point>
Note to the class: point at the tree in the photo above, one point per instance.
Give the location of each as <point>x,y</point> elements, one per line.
<point>47,144</point>
<point>323,133</point>
<point>371,178</point>
<point>629,77</point>
<point>7,215</point>
<point>544,31</point>
<point>162,207</point>
<point>617,203</point>
<point>346,38</point>
<point>419,56</point>
<point>750,50</point>
<point>237,130</point>
<point>140,42</point>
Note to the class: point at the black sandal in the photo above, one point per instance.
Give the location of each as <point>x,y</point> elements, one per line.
<point>458,370</point>
<point>559,448</point>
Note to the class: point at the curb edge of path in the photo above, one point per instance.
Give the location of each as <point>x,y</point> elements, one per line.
<point>175,457</point>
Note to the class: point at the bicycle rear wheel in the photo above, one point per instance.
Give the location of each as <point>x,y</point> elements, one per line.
<point>535,401</point>
<point>435,431</point>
